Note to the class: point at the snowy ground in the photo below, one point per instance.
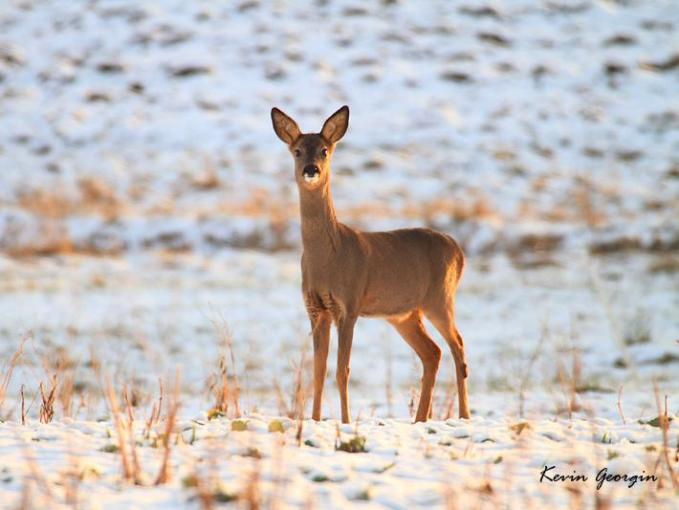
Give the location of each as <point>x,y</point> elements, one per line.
<point>483,462</point>
<point>590,324</point>
<point>148,226</point>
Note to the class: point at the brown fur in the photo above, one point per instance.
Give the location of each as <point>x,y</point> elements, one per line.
<point>400,275</point>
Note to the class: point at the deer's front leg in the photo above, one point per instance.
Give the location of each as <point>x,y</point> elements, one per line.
<point>345,335</point>
<point>320,323</point>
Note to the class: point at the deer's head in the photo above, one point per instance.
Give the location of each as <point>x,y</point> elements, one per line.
<point>311,151</point>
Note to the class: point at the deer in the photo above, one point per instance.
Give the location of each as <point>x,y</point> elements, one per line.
<point>400,275</point>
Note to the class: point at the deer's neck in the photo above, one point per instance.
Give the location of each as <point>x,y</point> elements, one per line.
<point>320,231</point>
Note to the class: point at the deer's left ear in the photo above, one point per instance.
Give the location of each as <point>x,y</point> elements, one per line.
<point>336,125</point>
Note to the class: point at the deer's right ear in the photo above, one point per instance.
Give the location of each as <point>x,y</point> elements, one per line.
<point>286,128</point>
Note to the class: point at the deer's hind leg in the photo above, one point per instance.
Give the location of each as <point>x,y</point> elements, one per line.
<point>412,330</point>
<point>443,319</point>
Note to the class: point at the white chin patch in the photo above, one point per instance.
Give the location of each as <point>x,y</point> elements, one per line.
<point>311,178</point>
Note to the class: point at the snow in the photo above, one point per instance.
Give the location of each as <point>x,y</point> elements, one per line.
<point>83,309</point>
<point>397,470</point>
<point>179,92</point>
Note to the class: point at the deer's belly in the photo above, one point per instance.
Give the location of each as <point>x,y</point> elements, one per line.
<point>382,306</point>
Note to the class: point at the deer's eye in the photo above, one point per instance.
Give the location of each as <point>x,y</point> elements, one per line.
<point>298,153</point>
<point>324,153</point>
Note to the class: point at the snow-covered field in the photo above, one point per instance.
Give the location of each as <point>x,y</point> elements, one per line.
<point>149,228</point>
<point>536,339</point>
<point>146,124</point>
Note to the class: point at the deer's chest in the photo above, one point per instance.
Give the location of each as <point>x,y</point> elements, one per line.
<point>324,274</point>
<point>324,289</point>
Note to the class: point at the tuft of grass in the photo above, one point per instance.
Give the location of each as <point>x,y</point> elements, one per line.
<point>214,413</point>
<point>170,420</point>
<point>664,359</point>
<point>664,420</point>
<point>637,329</point>
<point>658,421</point>
<point>354,445</point>
<point>190,481</point>
<point>591,386</point>
<point>363,495</point>
<point>224,385</point>
<point>385,468</point>
<point>239,425</point>
<point>301,389</point>
<point>7,370</point>
<point>110,448</point>
<point>667,264</point>
<point>155,410</point>
<point>519,427</point>
<point>253,453</point>
<point>220,495</point>
<point>620,363</point>
<point>129,469</point>
<point>276,426</point>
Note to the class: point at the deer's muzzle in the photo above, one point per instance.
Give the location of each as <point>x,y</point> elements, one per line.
<point>311,173</point>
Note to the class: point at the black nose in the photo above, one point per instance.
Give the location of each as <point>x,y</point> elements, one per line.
<point>311,170</point>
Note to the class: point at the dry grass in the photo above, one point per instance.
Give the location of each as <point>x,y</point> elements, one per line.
<point>128,469</point>
<point>134,458</point>
<point>155,410</point>
<point>209,491</point>
<point>255,490</point>
<point>126,438</point>
<point>8,369</point>
<point>664,423</point>
<point>92,196</point>
<point>204,495</point>
<point>668,264</point>
<point>585,202</point>
<point>295,406</point>
<point>224,385</point>
<point>170,419</point>
<point>47,405</point>
<point>23,405</point>
<point>570,380</point>
<point>252,495</point>
<point>222,391</point>
<point>474,206</point>
<point>527,371</point>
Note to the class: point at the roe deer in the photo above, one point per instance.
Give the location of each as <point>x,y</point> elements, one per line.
<point>399,275</point>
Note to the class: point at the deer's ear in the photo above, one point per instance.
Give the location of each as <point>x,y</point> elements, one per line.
<point>286,128</point>
<point>336,125</point>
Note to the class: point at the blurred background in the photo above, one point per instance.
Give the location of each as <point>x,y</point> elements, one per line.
<point>145,125</point>
<point>144,195</point>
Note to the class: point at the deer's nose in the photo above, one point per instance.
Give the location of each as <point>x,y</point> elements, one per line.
<point>311,171</point>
